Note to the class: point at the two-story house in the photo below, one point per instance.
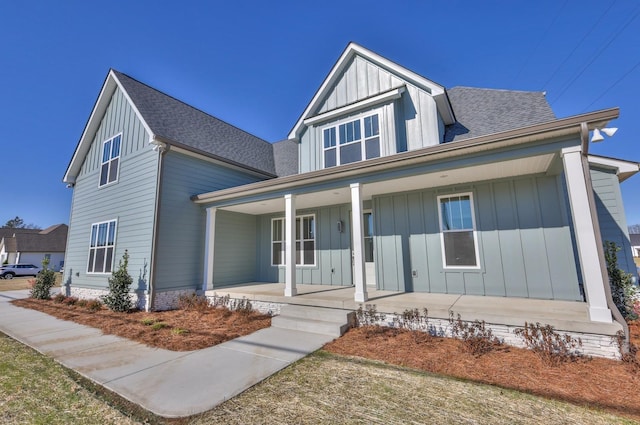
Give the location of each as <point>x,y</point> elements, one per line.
<point>387,181</point>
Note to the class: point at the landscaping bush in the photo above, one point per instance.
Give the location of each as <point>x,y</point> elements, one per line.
<point>552,347</point>
<point>476,338</point>
<point>118,298</point>
<point>45,280</point>
<point>623,291</point>
<point>193,302</point>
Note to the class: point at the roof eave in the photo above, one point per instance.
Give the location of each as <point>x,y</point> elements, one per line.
<point>546,130</point>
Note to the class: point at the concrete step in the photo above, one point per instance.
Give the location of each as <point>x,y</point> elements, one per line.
<point>326,321</point>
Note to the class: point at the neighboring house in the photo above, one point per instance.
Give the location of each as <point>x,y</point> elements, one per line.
<point>33,245</point>
<point>635,244</point>
<point>387,180</point>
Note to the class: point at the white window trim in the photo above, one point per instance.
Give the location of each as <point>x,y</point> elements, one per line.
<point>100,186</point>
<point>361,116</point>
<point>442,232</point>
<point>115,239</point>
<point>315,240</point>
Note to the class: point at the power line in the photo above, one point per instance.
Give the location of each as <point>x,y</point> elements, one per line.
<point>597,55</point>
<point>593,27</point>
<point>613,85</point>
<point>526,61</point>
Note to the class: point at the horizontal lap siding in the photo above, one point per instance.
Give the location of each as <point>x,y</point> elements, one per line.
<point>180,248</point>
<point>131,201</point>
<point>524,242</point>
<point>611,217</point>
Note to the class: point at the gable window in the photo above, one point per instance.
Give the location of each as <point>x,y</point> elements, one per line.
<point>305,241</point>
<point>457,226</point>
<point>110,160</point>
<point>101,247</point>
<point>352,141</point>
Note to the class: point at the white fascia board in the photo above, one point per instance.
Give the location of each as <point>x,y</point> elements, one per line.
<point>374,100</point>
<point>99,109</point>
<point>436,90</point>
<point>624,169</point>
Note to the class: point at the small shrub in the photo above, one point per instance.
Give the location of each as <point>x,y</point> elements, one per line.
<point>118,297</point>
<point>70,301</point>
<point>58,298</point>
<point>43,283</point>
<point>412,319</point>
<point>369,316</point>
<point>93,305</point>
<point>220,301</point>
<point>476,338</point>
<point>81,303</point>
<point>179,331</point>
<point>193,302</point>
<point>242,306</point>
<point>553,348</point>
<point>623,291</point>
<point>148,321</point>
<point>159,325</point>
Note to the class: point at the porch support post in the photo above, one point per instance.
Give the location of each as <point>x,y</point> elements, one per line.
<point>359,276</point>
<point>209,244</point>
<point>290,245</point>
<point>583,216</point>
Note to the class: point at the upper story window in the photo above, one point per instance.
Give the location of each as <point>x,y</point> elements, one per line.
<point>351,141</point>
<point>110,160</point>
<point>457,225</point>
<point>101,247</point>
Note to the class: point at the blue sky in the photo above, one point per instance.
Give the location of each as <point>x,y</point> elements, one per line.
<point>257,64</point>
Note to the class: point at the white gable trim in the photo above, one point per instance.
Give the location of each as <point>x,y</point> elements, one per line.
<point>624,169</point>
<point>99,109</point>
<point>437,91</point>
<point>374,100</point>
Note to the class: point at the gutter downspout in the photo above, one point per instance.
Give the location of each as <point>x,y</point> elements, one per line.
<point>162,149</point>
<point>584,136</point>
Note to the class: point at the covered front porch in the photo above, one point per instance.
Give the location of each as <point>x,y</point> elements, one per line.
<point>567,316</point>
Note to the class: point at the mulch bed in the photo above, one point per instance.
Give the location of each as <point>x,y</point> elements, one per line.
<point>180,330</point>
<point>606,384</point>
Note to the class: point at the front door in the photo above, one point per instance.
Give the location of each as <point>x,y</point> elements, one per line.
<point>369,264</point>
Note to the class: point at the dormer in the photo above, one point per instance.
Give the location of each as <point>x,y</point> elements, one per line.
<point>369,107</point>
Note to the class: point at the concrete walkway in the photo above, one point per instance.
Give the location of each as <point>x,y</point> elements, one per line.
<point>167,383</point>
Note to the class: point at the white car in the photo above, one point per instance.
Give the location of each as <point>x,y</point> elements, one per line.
<point>9,271</point>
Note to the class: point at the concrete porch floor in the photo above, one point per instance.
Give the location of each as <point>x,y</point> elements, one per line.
<point>570,316</point>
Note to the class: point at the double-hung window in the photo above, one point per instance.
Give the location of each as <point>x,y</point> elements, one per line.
<point>102,246</point>
<point>110,160</point>
<point>457,226</point>
<point>351,141</point>
<point>305,240</point>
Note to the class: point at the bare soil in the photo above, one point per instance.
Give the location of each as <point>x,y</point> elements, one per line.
<point>605,384</point>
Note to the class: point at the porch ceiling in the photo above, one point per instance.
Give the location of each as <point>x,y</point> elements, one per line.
<point>342,195</point>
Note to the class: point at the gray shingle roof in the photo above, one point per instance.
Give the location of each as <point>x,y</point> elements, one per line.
<point>285,154</point>
<point>486,111</point>
<point>51,239</point>
<point>635,239</point>
<point>185,125</point>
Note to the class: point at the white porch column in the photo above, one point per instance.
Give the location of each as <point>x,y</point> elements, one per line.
<point>209,241</point>
<point>290,245</point>
<point>358,242</point>
<point>592,274</point>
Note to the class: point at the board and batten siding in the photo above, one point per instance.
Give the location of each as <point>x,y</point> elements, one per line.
<point>409,123</point>
<point>235,247</point>
<point>181,233</point>
<point>333,252</point>
<point>130,201</point>
<point>523,235</point>
<point>611,217</point>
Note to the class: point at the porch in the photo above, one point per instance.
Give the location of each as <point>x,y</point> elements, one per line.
<point>566,316</point>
